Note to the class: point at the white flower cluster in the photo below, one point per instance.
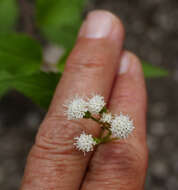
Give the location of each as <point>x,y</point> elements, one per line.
<point>78,107</point>
<point>96,104</point>
<point>106,118</point>
<point>85,142</point>
<point>120,126</point>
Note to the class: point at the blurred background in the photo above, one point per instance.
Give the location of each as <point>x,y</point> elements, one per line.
<point>152,33</point>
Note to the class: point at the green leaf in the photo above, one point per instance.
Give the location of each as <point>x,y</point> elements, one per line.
<point>151,71</point>
<point>19,54</point>
<point>40,87</point>
<point>59,20</point>
<point>8,15</point>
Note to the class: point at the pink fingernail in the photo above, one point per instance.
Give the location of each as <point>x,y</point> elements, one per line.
<point>124,63</point>
<point>99,24</point>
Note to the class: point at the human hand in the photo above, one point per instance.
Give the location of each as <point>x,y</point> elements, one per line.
<point>97,64</point>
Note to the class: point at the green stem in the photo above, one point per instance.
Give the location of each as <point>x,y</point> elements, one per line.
<point>104,127</point>
<point>107,137</point>
<point>94,119</point>
<point>102,131</point>
<point>113,139</point>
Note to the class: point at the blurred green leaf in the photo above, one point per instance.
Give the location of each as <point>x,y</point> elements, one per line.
<point>8,15</point>
<point>19,54</point>
<point>59,20</point>
<point>151,71</point>
<point>40,87</point>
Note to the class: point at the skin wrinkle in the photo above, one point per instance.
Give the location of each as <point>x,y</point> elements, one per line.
<point>60,141</point>
<point>96,63</point>
<point>126,168</point>
<point>51,181</point>
<point>127,154</point>
<point>66,130</point>
<point>62,165</point>
<point>61,161</point>
<point>59,167</point>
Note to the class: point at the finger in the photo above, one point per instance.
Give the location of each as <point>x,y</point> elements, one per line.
<point>53,162</point>
<point>122,164</point>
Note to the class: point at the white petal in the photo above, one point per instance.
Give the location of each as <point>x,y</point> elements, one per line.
<point>96,104</point>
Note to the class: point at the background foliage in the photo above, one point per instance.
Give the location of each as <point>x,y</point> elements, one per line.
<point>21,56</point>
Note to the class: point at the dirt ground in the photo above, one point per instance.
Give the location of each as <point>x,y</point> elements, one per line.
<point>152,33</point>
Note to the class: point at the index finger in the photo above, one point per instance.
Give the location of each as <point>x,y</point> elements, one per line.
<point>53,162</point>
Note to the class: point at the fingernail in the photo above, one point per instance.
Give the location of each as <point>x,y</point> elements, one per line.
<point>124,63</point>
<point>99,24</point>
<point>130,64</point>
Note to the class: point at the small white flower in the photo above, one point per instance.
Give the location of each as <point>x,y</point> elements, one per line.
<point>96,104</point>
<point>121,126</point>
<point>76,108</point>
<point>85,142</point>
<point>106,118</point>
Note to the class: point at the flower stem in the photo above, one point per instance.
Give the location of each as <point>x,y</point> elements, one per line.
<point>104,126</point>
<point>107,137</point>
<point>94,119</point>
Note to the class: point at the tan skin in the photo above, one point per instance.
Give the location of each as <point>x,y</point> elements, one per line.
<point>93,67</point>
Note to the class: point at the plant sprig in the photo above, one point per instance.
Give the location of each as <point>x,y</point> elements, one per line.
<point>112,126</point>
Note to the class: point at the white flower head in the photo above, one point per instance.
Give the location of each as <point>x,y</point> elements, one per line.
<point>85,142</point>
<point>96,104</point>
<point>76,108</point>
<point>121,126</point>
<point>106,118</point>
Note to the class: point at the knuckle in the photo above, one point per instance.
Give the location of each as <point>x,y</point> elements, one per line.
<point>55,136</point>
<point>88,57</point>
<point>81,63</point>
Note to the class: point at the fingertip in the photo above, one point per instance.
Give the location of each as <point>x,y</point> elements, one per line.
<point>102,24</point>
<point>135,74</point>
<point>130,64</point>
